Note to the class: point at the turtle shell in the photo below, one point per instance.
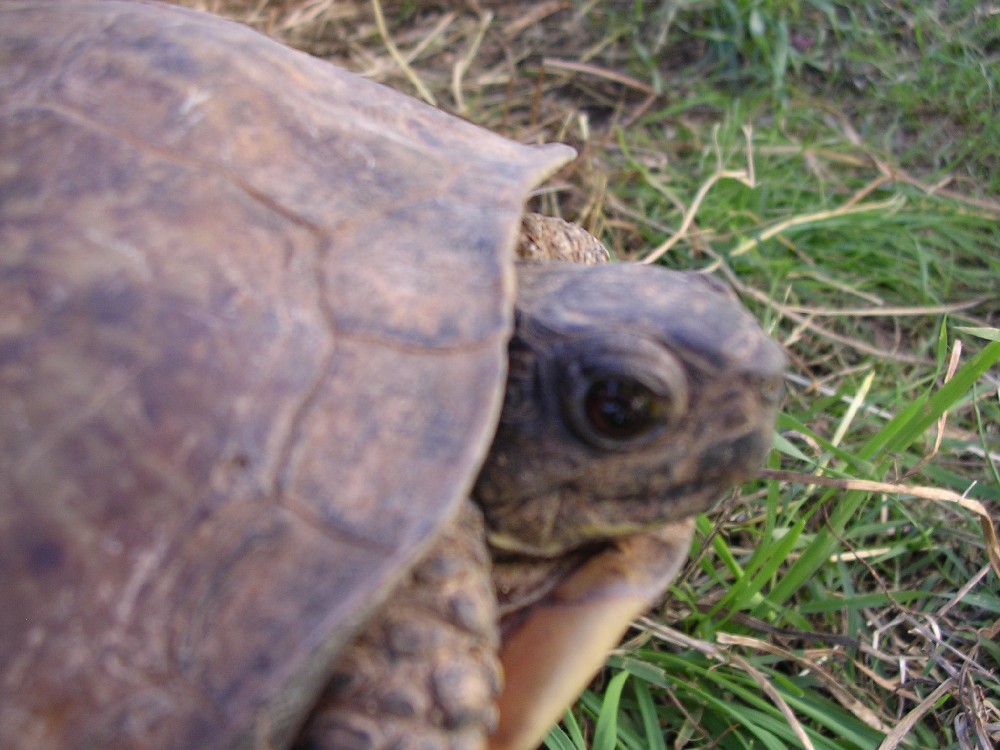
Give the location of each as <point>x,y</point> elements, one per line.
<point>253,324</point>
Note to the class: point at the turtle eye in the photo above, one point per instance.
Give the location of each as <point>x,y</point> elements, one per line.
<point>620,408</point>
<point>619,391</point>
<point>615,411</point>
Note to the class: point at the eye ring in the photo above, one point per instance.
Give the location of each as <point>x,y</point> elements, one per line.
<point>620,391</point>
<point>620,408</point>
<point>614,410</point>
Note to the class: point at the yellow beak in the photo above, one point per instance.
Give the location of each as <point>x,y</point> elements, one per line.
<point>556,648</point>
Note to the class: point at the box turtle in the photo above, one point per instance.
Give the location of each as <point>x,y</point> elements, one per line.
<point>258,318</point>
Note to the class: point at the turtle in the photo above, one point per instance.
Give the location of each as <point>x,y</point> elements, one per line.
<point>293,451</point>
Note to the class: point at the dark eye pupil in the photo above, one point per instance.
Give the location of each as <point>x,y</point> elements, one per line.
<point>620,408</point>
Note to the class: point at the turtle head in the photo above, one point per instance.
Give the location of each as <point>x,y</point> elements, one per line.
<point>636,395</point>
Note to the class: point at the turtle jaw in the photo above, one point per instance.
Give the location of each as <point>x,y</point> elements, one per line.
<point>554,646</point>
<point>553,523</point>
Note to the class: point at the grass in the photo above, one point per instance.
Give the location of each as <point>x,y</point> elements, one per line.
<point>857,216</point>
<point>839,164</point>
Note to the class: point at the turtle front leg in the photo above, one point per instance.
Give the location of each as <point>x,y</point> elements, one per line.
<point>423,673</point>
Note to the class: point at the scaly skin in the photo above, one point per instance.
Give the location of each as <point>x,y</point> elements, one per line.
<point>424,672</point>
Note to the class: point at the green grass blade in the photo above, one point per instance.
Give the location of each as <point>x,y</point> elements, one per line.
<point>652,732</point>
<point>946,396</point>
<point>606,730</point>
<point>557,739</point>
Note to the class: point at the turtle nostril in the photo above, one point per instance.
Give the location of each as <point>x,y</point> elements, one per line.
<point>736,458</point>
<point>772,389</point>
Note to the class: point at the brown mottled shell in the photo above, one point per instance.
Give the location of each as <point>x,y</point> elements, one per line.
<point>253,314</point>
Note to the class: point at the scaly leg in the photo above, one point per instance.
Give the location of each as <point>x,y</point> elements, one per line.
<point>423,674</point>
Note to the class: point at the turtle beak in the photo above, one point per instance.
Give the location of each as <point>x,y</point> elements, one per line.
<point>554,649</point>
